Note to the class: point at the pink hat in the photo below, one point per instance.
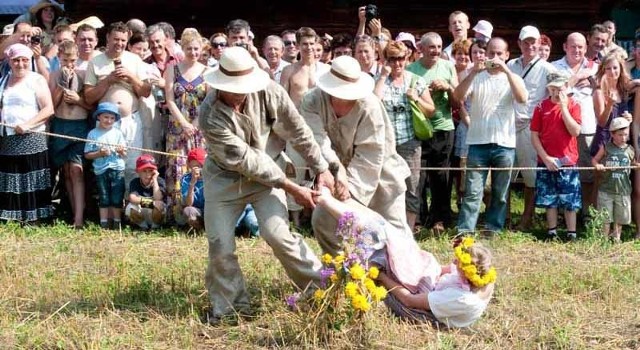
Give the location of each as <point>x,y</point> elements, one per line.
<point>404,36</point>
<point>18,50</point>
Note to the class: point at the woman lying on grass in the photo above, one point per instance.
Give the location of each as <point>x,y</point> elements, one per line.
<point>420,288</point>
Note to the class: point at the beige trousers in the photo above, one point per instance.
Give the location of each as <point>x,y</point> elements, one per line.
<point>226,194</point>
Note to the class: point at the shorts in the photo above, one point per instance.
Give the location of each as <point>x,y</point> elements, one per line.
<point>526,157</point>
<point>584,157</point>
<point>558,189</point>
<point>111,188</point>
<point>63,150</point>
<point>617,206</point>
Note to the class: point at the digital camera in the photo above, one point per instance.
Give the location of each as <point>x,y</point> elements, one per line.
<point>36,39</point>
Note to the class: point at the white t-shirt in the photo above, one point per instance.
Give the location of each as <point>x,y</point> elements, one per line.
<point>536,84</point>
<point>582,95</point>
<point>456,307</point>
<point>492,110</point>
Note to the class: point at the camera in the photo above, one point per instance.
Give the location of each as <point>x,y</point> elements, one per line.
<point>490,64</point>
<point>36,39</point>
<point>243,45</point>
<point>370,12</point>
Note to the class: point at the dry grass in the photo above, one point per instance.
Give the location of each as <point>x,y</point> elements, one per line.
<point>61,289</point>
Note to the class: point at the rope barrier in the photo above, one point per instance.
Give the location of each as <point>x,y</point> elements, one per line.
<point>146,150</point>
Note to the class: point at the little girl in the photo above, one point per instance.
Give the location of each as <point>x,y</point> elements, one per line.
<point>420,289</point>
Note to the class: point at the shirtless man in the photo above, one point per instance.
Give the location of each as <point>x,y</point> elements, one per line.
<point>297,79</point>
<point>70,119</point>
<point>117,76</point>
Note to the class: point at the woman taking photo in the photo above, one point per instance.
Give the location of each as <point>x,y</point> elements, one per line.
<point>25,177</point>
<point>395,87</point>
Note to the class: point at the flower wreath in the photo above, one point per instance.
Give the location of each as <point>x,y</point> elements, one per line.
<point>469,268</point>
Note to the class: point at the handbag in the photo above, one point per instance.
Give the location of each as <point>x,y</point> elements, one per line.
<point>421,124</point>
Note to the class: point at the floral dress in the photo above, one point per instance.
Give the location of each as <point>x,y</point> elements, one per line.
<point>188,97</point>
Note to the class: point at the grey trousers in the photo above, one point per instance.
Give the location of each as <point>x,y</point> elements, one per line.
<point>225,199</point>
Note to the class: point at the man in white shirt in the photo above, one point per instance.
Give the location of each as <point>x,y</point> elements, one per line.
<point>581,71</point>
<point>533,71</point>
<point>494,89</point>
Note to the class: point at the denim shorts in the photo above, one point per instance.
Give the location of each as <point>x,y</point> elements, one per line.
<point>111,188</point>
<point>558,189</point>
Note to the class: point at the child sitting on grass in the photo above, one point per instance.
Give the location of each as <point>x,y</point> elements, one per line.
<point>192,187</point>
<point>614,193</point>
<point>107,154</point>
<point>147,193</point>
<point>555,126</point>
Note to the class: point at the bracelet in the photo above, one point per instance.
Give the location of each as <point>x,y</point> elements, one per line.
<point>146,202</point>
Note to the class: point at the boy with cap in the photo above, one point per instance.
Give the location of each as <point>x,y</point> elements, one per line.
<point>614,194</point>
<point>554,129</point>
<point>147,193</point>
<point>107,153</point>
<point>192,187</point>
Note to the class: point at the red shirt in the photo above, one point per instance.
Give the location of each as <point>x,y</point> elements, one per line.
<point>555,139</point>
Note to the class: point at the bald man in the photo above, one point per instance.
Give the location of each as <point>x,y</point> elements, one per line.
<point>494,90</point>
<point>576,65</point>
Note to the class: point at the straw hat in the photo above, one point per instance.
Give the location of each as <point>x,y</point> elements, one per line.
<point>345,80</point>
<point>46,3</point>
<point>237,73</point>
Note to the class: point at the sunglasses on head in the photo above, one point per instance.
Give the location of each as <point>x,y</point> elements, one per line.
<point>290,42</point>
<point>218,45</point>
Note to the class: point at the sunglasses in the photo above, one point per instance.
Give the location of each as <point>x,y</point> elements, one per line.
<point>290,42</point>
<point>395,59</point>
<point>218,45</point>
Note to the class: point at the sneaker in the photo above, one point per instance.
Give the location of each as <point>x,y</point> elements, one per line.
<point>551,236</point>
<point>572,236</point>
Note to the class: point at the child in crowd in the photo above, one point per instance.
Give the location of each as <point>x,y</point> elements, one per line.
<point>70,119</point>
<point>108,153</point>
<point>614,193</point>
<point>554,129</point>
<point>192,187</point>
<point>248,222</point>
<point>147,194</point>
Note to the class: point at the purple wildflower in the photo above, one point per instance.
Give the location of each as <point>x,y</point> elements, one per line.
<point>292,301</point>
<point>324,274</point>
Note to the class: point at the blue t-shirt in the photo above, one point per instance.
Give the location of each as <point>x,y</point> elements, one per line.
<point>198,190</point>
<point>112,136</point>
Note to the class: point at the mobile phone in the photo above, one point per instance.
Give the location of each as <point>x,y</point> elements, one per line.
<point>117,62</point>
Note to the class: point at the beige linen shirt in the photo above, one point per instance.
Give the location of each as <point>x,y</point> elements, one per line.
<point>363,141</point>
<point>250,143</point>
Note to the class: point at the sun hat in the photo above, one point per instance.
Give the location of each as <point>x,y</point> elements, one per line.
<point>404,36</point>
<point>529,32</point>
<point>8,29</point>
<point>146,161</point>
<point>619,123</point>
<point>346,80</point>
<point>237,73</point>
<point>557,79</point>
<point>197,154</point>
<point>46,3</point>
<point>484,27</point>
<point>18,50</point>
<point>107,107</point>
<point>93,21</point>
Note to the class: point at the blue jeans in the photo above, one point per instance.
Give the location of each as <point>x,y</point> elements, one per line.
<point>249,220</point>
<point>111,188</point>
<point>487,155</point>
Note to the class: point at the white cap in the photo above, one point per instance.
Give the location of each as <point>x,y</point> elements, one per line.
<point>408,37</point>
<point>619,123</point>
<point>529,32</point>
<point>7,30</point>
<point>484,27</point>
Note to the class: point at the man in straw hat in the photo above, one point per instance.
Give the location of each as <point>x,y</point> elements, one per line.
<point>357,139</point>
<point>246,120</point>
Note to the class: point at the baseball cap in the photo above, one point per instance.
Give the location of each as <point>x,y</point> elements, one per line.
<point>557,79</point>
<point>619,123</point>
<point>403,36</point>
<point>529,32</point>
<point>197,154</point>
<point>146,161</point>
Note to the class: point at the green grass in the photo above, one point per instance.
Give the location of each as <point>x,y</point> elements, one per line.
<point>60,289</point>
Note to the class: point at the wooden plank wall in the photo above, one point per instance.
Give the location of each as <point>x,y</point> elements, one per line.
<point>556,18</point>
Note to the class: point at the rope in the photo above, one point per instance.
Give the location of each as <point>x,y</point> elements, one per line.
<point>79,139</point>
<point>146,150</point>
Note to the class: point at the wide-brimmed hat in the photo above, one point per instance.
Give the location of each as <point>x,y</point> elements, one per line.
<point>484,27</point>
<point>557,79</point>
<point>346,80</point>
<point>93,21</point>
<point>47,3</point>
<point>237,73</point>
<point>619,123</point>
<point>107,107</point>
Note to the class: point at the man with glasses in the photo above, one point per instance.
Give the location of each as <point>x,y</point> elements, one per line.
<point>290,46</point>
